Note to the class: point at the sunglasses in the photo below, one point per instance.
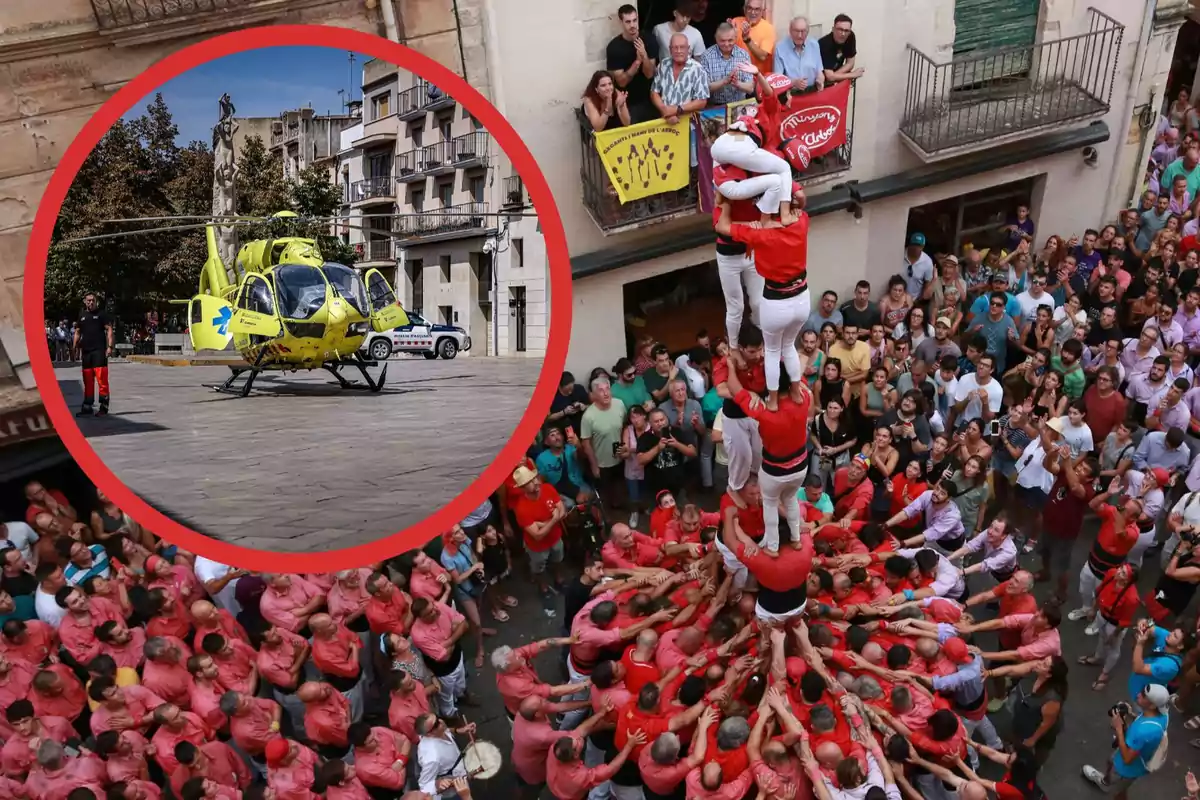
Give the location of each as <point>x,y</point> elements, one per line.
<point>996,304</point>
<point>1039,283</point>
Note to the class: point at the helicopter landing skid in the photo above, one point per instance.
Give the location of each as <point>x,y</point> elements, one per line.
<point>376,385</point>
<point>236,372</point>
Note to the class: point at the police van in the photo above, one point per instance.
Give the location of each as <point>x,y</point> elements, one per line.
<point>418,336</point>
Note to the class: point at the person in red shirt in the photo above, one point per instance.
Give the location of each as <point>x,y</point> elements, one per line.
<point>540,511</point>
<point>567,777</point>
<point>1062,516</point>
<point>48,501</point>
<point>336,652</point>
<point>750,144</point>
<point>1118,534</point>
<point>743,369</point>
<point>852,492</point>
<point>1116,603</point>
<point>784,433</point>
<point>390,609</point>
<point>381,757</point>
<point>781,258</point>
<point>735,264</point>
<point>1016,597</point>
<point>327,718</point>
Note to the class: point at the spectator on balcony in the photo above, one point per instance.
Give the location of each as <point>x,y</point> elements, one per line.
<point>799,58</point>
<point>726,82</point>
<point>606,106</point>
<point>838,49</point>
<point>680,23</point>
<point>755,35</point>
<point>632,61</point>
<point>681,84</point>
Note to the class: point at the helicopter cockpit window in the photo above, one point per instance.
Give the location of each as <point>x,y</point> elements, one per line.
<point>300,290</point>
<point>256,296</point>
<point>349,285</point>
<point>381,294</point>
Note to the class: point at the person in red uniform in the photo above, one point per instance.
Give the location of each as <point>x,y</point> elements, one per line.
<point>784,434</point>
<point>740,282</point>
<point>743,370</point>
<point>94,343</point>
<point>751,143</point>
<point>781,258</point>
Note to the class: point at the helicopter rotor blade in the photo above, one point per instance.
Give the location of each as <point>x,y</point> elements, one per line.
<point>167,228</point>
<point>181,217</point>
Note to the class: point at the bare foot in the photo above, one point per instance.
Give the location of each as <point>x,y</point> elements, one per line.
<point>773,401</point>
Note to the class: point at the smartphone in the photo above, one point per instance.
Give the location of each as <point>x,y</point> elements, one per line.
<point>570,431</point>
<point>994,428</point>
<point>616,447</point>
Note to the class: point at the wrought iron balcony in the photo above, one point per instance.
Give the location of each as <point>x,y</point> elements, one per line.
<point>410,103</point>
<point>985,98</point>
<point>290,133</point>
<point>373,189</point>
<point>470,150</point>
<point>112,14</point>
<point>463,218</point>
<point>433,98</point>
<point>379,250</point>
<point>443,157</point>
<point>514,192</point>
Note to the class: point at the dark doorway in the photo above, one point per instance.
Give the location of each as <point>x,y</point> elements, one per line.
<point>516,310</point>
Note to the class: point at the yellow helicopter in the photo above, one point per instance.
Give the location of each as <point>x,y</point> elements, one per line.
<point>286,308</point>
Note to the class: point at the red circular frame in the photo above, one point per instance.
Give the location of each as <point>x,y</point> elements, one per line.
<point>315,36</point>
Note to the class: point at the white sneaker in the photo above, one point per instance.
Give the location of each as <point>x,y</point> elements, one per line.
<point>1077,614</point>
<point>1093,628</point>
<point>1095,776</point>
<point>633,519</point>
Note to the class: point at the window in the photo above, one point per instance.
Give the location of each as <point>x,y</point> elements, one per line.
<point>417,132</point>
<point>416,276</point>
<point>417,199</point>
<point>445,190</point>
<point>381,105</point>
<point>445,123</point>
<point>380,166</point>
<point>477,186</point>
<point>444,264</point>
<point>518,253</point>
<point>447,314</point>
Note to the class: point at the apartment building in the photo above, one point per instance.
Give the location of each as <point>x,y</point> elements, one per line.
<point>302,138</point>
<point>433,200</point>
<point>966,109</point>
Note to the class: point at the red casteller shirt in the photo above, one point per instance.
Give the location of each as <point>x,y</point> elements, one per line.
<point>750,518</point>
<point>784,572</point>
<point>847,499</point>
<point>780,254</point>
<point>1117,605</point>
<point>528,511</point>
<point>784,433</point>
<point>1111,545</point>
<point>753,377</point>
<point>638,673</point>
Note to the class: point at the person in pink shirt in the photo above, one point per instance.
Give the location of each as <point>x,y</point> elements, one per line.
<point>114,591</point>
<point>566,774</point>
<point>20,750</point>
<point>289,601</point>
<point>429,579</point>
<point>533,736</point>
<point>291,770</point>
<point>124,754</point>
<point>212,761</point>
<point>1039,634</point>
<point>56,774</point>
<point>77,631</point>
<point>57,692</point>
<point>207,618</point>
<point>16,676</point>
<point>338,780</point>
<point>235,662</point>
<point>410,700</point>
<point>31,640</point>
<point>281,658</point>
<point>336,651</point>
<point>436,631</point>
<point>390,609</point>
<point>202,788</point>
<point>166,672</point>
<point>253,721</point>
<point>594,630</point>
<point>629,549</point>
<point>661,764</point>
<point>10,787</point>
<point>204,693</point>
<point>179,578</point>
<point>175,726</point>
<point>517,679</point>
<point>380,756</point>
<point>327,718</point>
<point>706,783</point>
<point>169,615</point>
<point>121,708</point>
<point>348,598</point>
<point>125,645</point>
<point>685,528</point>
<point>133,790</point>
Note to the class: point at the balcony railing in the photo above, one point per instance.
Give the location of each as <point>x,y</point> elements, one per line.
<point>372,188</point>
<point>980,97</point>
<point>451,219</point>
<point>433,98</point>
<point>514,191</point>
<point>410,103</point>
<point>378,250</point>
<point>470,150</point>
<point>112,14</point>
<point>288,134</point>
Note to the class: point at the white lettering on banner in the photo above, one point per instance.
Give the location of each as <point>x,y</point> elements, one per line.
<point>813,126</point>
<point>21,425</point>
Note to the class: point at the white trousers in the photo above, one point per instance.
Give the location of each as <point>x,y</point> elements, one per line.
<point>744,449</point>
<point>453,686</point>
<point>764,187</point>
<point>771,617</point>
<point>736,569</point>
<point>741,151</point>
<point>781,321</point>
<point>742,286</point>
<point>785,491</point>
<point>1089,584</point>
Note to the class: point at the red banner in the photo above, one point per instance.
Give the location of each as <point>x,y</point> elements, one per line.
<point>818,120</point>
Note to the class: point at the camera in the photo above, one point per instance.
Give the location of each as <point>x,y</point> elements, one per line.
<point>1122,709</point>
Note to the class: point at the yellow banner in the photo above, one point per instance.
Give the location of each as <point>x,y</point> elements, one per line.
<point>646,159</point>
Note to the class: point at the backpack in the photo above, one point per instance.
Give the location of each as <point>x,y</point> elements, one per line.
<point>1160,754</point>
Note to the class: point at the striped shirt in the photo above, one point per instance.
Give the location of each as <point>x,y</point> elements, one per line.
<point>718,66</point>
<point>76,575</point>
<point>691,83</point>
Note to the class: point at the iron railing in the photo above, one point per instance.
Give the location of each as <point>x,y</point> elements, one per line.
<point>980,96</point>
<point>470,149</point>
<point>379,250</point>
<point>120,13</point>
<point>371,188</point>
<point>433,98</point>
<point>409,103</point>
<point>514,191</point>
<point>461,217</point>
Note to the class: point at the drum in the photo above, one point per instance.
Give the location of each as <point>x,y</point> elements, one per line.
<point>482,760</point>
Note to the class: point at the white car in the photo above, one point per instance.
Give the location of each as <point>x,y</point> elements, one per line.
<point>418,336</point>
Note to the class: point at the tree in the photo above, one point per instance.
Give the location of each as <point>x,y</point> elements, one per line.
<point>315,195</point>
<point>261,187</point>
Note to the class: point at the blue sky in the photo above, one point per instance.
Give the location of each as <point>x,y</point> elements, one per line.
<point>261,83</point>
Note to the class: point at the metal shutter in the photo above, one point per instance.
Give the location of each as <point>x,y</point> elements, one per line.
<point>989,25</point>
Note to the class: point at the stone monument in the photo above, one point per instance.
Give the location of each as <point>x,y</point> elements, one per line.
<point>225,183</point>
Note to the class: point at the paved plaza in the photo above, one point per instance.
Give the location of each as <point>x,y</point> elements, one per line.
<point>301,464</point>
